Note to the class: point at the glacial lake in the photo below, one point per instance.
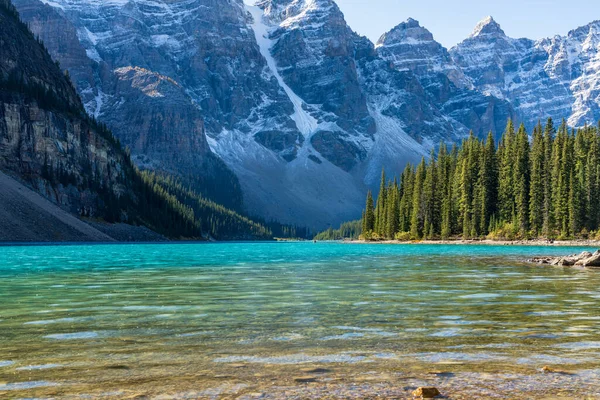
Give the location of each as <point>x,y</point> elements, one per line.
<point>294,320</point>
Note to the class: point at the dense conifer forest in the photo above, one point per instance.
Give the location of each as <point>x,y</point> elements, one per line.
<point>543,186</point>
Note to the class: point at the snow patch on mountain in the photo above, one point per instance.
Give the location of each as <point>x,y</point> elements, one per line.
<point>305,122</point>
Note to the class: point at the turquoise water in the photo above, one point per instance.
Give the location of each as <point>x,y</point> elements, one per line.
<point>236,319</point>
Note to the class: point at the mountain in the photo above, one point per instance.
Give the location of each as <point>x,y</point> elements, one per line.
<point>66,177</point>
<point>411,47</point>
<point>558,77</point>
<point>124,62</point>
<point>303,110</point>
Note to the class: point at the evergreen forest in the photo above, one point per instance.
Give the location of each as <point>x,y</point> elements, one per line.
<point>546,185</point>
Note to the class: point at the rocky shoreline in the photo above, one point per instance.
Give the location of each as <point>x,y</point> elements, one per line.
<point>585,259</point>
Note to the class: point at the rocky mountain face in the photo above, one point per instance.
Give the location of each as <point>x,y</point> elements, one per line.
<point>128,62</point>
<point>303,110</point>
<point>558,77</point>
<point>411,47</point>
<point>41,127</point>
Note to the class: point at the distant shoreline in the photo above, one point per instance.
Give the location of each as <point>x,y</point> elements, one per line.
<point>536,242</point>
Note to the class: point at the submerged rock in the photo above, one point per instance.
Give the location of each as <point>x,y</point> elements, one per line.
<point>305,379</point>
<point>547,370</point>
<point>315,370</point>
<point>426,392</point>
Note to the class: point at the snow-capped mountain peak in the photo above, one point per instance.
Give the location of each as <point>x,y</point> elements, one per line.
<point>408,32</point>
<point>487,27</point>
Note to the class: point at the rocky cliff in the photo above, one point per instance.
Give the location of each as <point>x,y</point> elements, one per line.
<point>411,47</point>
<point>43,131</point>
<point>124,62</point>
<point>49,143</point>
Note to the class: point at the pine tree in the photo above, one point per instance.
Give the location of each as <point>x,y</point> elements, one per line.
<point>418,207</point>
<point>488,178</point>
<point>591,187</point>
<point>521,180</point>
<point>445,191</point>
<point>393,211</point>
<point>547,176</point>
<point>380,215</point>
<point>406,199</point>
<point>536,189</point>
<point>431,209</point>
<point>561,166</point>
<point>506,154</point>
<point>369,220</point>
<point>574,201</point>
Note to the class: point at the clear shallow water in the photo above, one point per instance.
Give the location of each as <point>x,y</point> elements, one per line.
<point>235,320</point>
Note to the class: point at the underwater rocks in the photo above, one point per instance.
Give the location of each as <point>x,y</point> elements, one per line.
<point>426,392</point>
<point>585,259</point>
<point>305,379</point>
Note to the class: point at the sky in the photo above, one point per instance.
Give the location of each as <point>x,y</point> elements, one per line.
<point>452,21</point>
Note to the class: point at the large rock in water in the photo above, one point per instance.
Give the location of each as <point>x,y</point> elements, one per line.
<point>585,259</point>
<point>426,392</point>
<point>590,260</point>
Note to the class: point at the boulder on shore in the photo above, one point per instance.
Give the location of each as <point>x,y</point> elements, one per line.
<point>585,259</point>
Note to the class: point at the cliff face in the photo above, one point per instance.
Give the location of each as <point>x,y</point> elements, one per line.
<point>411,47</point>
<point>45,137</point>
<point>39,146</point>
<point>132,78</point>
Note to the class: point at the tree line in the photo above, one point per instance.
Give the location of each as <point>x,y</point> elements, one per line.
<point>347,230</point>
<point>543,186</point>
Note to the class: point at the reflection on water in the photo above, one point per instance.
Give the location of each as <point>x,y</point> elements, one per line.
<point>242,320</point>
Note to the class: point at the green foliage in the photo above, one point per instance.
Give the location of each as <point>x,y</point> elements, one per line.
<point>347,230</point>
<point>368,220</point>
<point>46,98</point>
<point>402,236</point>
<point>547,187</point>
<point>213,220</point>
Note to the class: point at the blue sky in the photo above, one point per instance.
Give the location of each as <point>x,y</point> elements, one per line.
<point>452,21</point>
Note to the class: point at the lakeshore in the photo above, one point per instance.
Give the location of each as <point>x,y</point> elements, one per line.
<point>487,242</point>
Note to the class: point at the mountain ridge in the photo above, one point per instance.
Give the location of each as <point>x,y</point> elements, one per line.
<point>87,181</point>
<point>302,109</point>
